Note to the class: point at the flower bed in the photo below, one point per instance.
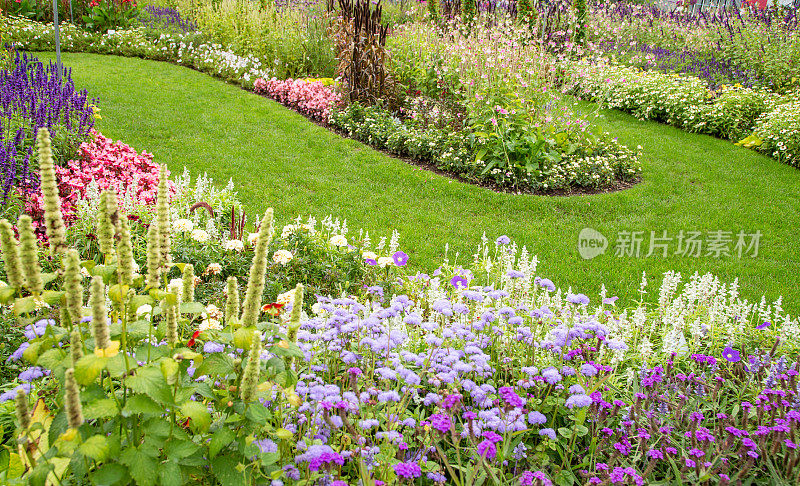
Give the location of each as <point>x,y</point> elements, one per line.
<point>487,371</point>
<point>310,97</point>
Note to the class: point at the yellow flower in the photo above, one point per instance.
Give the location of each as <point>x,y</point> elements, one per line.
<point>109,352</point>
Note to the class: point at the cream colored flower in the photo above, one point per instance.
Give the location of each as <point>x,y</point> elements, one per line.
<point>385,261</point>
<point>200,236</point>
<point>182,225</point>
<point>214,312</point>
<point>207,324</point>
<point>214,269</point>
<point>251,238</point>
<point>235,245</point>
<point>286,297</point>
<point>288,230</point>
<point>369,255</point>
<point>317,308</point>
<point>282,256</point>
<point>338,240</point>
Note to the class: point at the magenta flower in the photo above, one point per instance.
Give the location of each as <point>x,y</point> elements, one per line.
<point>441,422</point>
<point>732,355</point>
<point>487,449</point>
<point>408,470</point>
<point>400,258</point>
<point>459,282</point>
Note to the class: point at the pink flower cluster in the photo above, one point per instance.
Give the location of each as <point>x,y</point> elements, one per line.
<point>112,165</point>
<point>311,98</point>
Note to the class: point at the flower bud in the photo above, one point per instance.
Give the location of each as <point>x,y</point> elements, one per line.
<point>255,284</point>
<point>29,253</point>
<point>162,217</point>
<point>23,414</point>
<point>188,283</point>
<point>73,290</point>
<point>153,256</point>
<point>97,298</point>
<point>105,227</point>
<point>172,325</point>
<point>53,219</point>
<point>10,248</point>
<point>72,400</point>
<point>124,254</point>
<point>75,346</point>
<point>252,370</point>
<point>232,300</point>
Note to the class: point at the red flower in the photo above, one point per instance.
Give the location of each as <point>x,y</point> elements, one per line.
<point>272,309</point>
<point>194,336</point>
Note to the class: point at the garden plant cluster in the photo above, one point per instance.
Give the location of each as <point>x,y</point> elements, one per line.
<point>158,334</point>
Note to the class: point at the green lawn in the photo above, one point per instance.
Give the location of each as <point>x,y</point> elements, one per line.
<point>277,158</point>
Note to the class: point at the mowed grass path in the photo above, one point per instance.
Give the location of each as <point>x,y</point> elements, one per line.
<point>277,158</point>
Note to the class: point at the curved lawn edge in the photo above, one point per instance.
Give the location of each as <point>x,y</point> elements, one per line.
<point>276,158</point>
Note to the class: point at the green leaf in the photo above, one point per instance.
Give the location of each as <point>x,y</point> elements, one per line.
<point>170,474</point>
<point>198,413</point>
<point>95,447</point>
<point>105,407</point>
<point>116,365</point>
<point>110,474</point>
<point>88,367</point>
<point>192,308</point>
<point>51,358</point>
<point>47,278</point>
<point>142,466</point>
<point>117,293</point>
<point>6,294</point>
<point>141,404</point>
<point>25,305</point>
<point>216,364</point>
<point>52,297</point>
<point>257,413</point>
<point>219,440</point>
<point>147,380</point>
<point>226,470</point>
<point>178,449</point>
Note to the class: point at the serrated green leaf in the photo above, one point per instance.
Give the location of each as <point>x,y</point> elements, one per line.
<point>150,382</point>
<point>105,407</point>
<point>6,294</point>
<point>88,368</point>
<point>192,308</point>
<point>226,471</point>
<point>141,466</point>
<point>52,297</point>
<point>199,415</point>
<point>257,413</point>
<point>95,447</point>
<point>170,474</point>
<point>141,404</point>
<point>178,449</point>
<point>110,474</point>
<point>219,440</point>
<point>24,305</point>
<point>216,364</point>
<point>51,358</point>
<point>47,278</point>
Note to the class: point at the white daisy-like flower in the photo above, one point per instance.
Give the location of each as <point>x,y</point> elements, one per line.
<point>234,245</point>
<point>199,235</point>
<point>338,240</point>
<point>282,256</point>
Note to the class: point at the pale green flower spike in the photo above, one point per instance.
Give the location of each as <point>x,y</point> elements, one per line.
<point>23,414</point>
<point>10,248</point>
<point>29,252</point>
<point>72,400</point>
<point>124,253</point>
<point>97,298</point>
<point>105,228</point>
<point>53,220</point>
<point>73,290</point>
<point>172,325</point>
<point>252,370</point>
<point>75,346</point>
<point>162,217</point>
<point>255,285</point>
<point>232,300</point>
<point>132,317</point>
<point>297,309</point>
<point>153,256</point>
<point>188,283</point>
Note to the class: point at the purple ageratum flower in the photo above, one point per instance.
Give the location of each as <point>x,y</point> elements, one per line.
<point>407,470</point>
<point>764,325</point>
<point>502,240</point>
<point>266,446</point>
<point>459,282</point>
<point>579,299</point>
<point>33,373</point>
<point>441,422</point>
<point>487,449</point>
<point>529,478</point>
<point>510,397</point>
<point>588,369</point>
<point>610,300</point>
<point>579,401</point>
<point>16,355</point>
<point>436,477</point>
<point>536,418</point>
<point>212,347</point>
<point>400,258</point>
<point>546,283</point>
<point>319,455</point>
<point>450,401</point>
<point>551,376</point>
<point>732,355</point>
<point>12,394</point>
<point>492,436</point>
<point>576,390</point>
<point>548,433</point>
<point>514,274</point>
